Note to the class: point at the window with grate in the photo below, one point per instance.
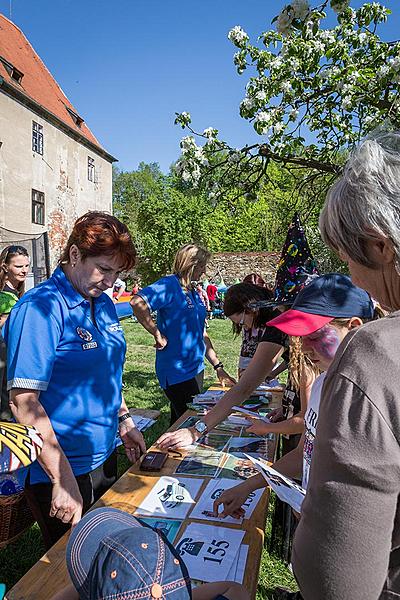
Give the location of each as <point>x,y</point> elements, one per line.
<point>37,207</point>
<point>37,138</point>
<point>90,169</point>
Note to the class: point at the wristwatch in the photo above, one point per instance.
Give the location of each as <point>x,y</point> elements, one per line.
<point>200,427</point>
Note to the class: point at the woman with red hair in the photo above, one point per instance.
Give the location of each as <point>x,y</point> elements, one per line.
<point>66,351</point>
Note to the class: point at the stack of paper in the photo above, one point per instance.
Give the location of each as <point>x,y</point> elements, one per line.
<point>171,497</point>
<point>204,507</point>
<point>209,552</point>
<point>209,397</point>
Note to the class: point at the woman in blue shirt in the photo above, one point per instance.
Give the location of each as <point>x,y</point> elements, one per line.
<point>180,337</point>
<point>66,352</point>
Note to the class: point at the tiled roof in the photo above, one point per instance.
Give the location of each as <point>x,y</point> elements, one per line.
<point>37,83</point>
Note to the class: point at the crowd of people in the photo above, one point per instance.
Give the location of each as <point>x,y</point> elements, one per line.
<point>335,335</point>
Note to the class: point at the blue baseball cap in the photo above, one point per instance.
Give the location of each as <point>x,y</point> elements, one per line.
<point>111,555</point>
<point>328,297</point>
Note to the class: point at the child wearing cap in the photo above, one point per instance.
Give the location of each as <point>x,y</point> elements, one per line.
<point>110,554</point>
<point>323,314</point>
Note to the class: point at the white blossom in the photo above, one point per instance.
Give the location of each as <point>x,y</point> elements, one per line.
<point>294,113</point>
<point>278,127</point>
<point>247,103</point>
<point>327,36</point>
<point>276,63</point>
<point>362,37</point>
<point>383,71</point>
<point>395,62</point>
<point>210,132</point>
<point>346,103</point>
<point>286,87</point>
<point>238,36</point>
<point>188,143</point>
<point>261,96</point>
<point>263,117</point>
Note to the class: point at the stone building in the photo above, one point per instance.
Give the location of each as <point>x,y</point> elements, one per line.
<point>232,266</point>
<point>52,168</point>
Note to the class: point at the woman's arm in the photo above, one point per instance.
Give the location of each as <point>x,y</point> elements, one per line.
<point>66,502</point>
<point>223,376</point>
<point>143,315</point>
<point>295,424</point>
<point>131,437</point>
<point>260,366</point>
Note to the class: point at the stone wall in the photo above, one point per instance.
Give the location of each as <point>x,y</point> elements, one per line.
<point>236,265</point>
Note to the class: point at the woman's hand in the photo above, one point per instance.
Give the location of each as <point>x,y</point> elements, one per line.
<point>160,341</point>
<point>66,501</point>
<point>257,426</point>
<point>276,415</point>
<point>178,439</point>
<point>224,378</point>
<point>132,440</point>
<point>232,501</point>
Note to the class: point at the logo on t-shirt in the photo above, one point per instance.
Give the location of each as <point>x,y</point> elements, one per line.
<point>84,334</point>
<point>189,301</point>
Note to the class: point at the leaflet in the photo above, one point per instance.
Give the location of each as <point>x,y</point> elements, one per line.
<point>285,488</point>
<point>171,497</point>
<point>209,551</point>
<point>204,507</point>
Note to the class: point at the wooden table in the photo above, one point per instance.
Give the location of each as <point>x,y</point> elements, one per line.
<point>49,574</point>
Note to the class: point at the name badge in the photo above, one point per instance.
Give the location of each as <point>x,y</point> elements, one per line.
<point>89,345</point>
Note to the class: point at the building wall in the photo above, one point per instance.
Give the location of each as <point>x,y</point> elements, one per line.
<point>61,173</point>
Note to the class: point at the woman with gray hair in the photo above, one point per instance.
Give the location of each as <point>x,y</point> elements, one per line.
<point>347,545</point>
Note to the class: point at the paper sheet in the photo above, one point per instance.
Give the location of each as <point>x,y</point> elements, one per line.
<point>250,445</point>
<point>236,572</point>
<point>285,488</point>
<point>209,551</point>
<point>171,497</point>
<point>236,468</point>
<point>203,509</point>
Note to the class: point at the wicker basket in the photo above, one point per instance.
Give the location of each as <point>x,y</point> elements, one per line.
<point>15,517</point>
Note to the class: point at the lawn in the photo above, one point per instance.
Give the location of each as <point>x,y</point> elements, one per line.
<point>141,391</point>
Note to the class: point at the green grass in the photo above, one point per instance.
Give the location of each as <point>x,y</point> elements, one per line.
<point>142,391</point>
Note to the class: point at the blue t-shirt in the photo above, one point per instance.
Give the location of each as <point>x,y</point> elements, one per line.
<point>181,318</point>
<point>54,347</point>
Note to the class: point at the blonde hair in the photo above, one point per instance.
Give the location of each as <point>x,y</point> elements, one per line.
<point>186,260</point>
<point>300,365</point>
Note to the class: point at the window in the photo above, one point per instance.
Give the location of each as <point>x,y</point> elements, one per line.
<point>37,138</point>
<point>90,169</point>
<point>14,73</point>
<point>37,207</point>
<point>75,117</point>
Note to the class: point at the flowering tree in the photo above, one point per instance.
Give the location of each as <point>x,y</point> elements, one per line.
<point>313,94</point>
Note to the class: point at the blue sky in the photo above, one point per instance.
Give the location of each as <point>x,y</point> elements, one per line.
<point>129,65</point>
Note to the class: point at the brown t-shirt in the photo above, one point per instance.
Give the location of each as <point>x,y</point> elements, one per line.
<point>347,544</point>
